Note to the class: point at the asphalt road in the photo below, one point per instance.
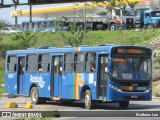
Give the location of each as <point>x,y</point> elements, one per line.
<point>153,105</point>
<point>138,110</point>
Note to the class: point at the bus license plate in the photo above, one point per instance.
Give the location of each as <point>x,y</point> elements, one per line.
<point>134,96</point>
<point>141,88</point>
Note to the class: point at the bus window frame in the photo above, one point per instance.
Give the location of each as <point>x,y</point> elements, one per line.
<point>15,64</point>
<point>40,63</point>
<point>94,62</point>
<point>72,63</point>
<point>31,63</point>
<point>78,62</point>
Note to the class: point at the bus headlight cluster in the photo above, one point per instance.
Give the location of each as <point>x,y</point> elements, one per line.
<point>147,91</point>
<point>115,88</point>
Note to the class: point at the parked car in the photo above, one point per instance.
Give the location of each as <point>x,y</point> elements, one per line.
<point>9,30</point>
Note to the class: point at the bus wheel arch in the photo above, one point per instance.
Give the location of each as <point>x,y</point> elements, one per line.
<point>33,85</point>
<point>86,87</point>
<point>34,95</point>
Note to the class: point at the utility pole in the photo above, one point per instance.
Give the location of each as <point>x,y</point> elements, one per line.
<point>30,11</point>
<point>84,23</point>
<point>16,2</point>
<point>16,18</point>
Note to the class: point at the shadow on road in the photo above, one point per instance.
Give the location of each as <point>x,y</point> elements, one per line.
<point>106,106</point>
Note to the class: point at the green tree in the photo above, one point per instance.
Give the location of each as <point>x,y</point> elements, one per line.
<point>24,40</point>
<point>69,38</point>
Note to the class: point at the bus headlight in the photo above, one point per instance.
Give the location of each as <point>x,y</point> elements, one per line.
<point>147,91</point>
<point>115,88</point>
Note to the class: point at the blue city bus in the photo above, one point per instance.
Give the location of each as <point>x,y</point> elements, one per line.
<point>43,25</point>
<point>91,74</point>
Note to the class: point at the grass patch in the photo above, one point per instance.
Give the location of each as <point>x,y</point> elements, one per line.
<point>129,37</point>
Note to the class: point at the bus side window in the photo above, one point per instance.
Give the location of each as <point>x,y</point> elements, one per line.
<point>90,62</point>
<point>79,62</point>
<point>44,63</point>
<point>68,62</point>
<point>32,63</point>
<point>45,25</point>
<point>11,64</point>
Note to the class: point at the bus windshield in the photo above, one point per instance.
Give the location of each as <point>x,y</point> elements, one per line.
<point>131,68</point>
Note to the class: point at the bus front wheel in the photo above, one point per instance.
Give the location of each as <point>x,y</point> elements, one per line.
<point>123,104</point>
<point>88,100</point>
<point>35,96</point>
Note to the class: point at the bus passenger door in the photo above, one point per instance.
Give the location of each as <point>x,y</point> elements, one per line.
<point>56,82</point>
<point>102,76</point>
<point>20,75</point>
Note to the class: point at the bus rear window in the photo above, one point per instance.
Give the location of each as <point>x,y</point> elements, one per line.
<point>11,64</point>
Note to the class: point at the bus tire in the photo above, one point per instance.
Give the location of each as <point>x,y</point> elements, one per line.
<point>123,104</point>
<point>35,96</point>
<point>88,100</point>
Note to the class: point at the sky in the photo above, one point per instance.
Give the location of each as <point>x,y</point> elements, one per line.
<point>5,13</point>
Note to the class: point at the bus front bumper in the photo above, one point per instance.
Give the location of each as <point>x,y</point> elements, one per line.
<point>116,94</point>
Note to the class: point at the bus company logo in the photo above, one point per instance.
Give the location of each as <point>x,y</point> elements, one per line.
<point>37,79</point>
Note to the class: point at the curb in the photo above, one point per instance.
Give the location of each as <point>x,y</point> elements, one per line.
<point>11,96</point>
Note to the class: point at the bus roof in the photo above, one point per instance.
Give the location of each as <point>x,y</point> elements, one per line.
<point>66,49</point>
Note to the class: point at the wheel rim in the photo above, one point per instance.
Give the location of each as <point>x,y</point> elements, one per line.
<point>34,95</point>
<point>112,27</point>
<point>87,100</point>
